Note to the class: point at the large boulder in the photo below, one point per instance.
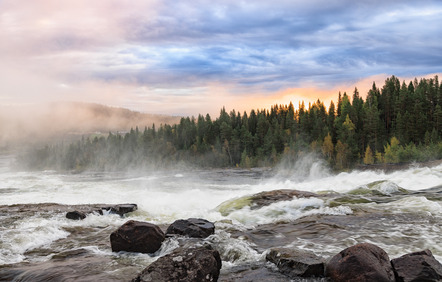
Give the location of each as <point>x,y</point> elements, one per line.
<point>137,236</point>
<point>192,264</point>
<point>295,263</point>
<point>192,227</point>
<point>418,266</point>
<point>361,262</point>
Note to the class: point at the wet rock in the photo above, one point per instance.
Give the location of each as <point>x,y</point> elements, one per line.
<point>418,266</point>
<point>75,215</point>
<point>123,209</point>
<point>192,227</point>
<point>361,262</point>
<point>137,236</point>
<point>295,263</point>
<point>190,264</point>
<point>118,209</point>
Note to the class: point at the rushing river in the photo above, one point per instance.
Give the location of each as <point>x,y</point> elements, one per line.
<point>400,212</point>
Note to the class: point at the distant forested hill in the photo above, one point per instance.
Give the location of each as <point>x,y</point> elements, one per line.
<point>399,122</point>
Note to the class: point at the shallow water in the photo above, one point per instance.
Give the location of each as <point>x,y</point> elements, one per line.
<point>396,211</point>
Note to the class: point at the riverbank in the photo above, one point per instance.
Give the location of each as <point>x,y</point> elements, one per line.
<point>390,167</point>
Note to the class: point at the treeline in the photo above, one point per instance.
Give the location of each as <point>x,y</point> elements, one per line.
<point>399,122</point>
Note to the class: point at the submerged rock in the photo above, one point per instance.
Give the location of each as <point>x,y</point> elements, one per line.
<point>137,236</point>
<point>418,266</point>
<point>361,262</point>
<point>295,263</point>
<point>192,264</point>
<point>192,227</point>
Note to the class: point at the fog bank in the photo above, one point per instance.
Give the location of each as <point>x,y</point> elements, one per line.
<point>30,124</point>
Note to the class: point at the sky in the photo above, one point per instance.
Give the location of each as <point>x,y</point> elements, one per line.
<point>191,57</point>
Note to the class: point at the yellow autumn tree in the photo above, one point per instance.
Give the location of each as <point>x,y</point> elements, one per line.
<point>327,147</point>
<point>368,157</point>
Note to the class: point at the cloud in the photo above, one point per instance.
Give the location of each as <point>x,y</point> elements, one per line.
<point>115,52</point>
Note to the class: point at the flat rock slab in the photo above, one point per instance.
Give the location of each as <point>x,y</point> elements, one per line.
<point>184,264</point>
<point>262,199</point>
<point>269,197</point>
<point>418,266</point>
<point>297,263</point>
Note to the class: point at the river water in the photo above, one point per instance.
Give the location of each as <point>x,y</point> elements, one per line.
<point>400,212</point>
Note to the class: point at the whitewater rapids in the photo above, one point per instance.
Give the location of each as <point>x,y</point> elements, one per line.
<point>399,211</point>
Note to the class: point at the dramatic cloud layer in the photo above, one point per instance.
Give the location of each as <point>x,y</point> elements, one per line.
<point>190,57</point>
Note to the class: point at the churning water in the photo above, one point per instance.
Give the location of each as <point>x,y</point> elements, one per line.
<point>400,211</point>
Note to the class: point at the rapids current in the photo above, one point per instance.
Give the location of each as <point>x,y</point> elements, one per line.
<point>400,211</point>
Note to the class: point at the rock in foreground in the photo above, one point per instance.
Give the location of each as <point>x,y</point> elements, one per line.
<point>418,266</point>
<point>192,227</point>
<point>193,264</point>
<point>137,236</point>
<point>361,262</point>
<point>295,263</point>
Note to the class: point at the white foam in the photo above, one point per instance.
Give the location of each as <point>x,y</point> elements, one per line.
<point>286,211</point>
<point>27,234</point>
<point>414,204</point>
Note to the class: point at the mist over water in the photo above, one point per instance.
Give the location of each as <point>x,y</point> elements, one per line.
<point>393,210</point>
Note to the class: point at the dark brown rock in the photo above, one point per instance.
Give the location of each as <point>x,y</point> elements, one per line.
<point>269,197</point>
<point>192,227</point>
<point>418,266</point>
<point>295,263</point>
<point>137,236</point>
<point>192,264</point>
<point>75,215</point>
<point>361,262</point>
